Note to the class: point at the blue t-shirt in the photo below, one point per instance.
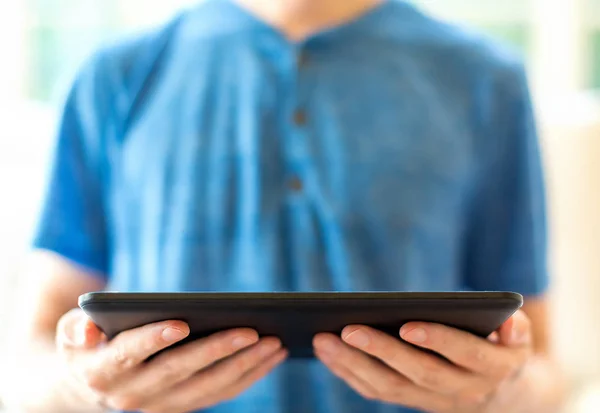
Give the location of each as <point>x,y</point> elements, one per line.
<point>394,152</point>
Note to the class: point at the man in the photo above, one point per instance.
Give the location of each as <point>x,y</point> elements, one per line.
<point>294,145</point>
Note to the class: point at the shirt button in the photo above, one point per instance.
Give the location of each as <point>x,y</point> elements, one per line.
<point>296,184</point>
<point>299,117</point>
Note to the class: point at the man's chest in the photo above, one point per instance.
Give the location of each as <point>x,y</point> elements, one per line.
<point>363,143</point>
<point>332,173</point>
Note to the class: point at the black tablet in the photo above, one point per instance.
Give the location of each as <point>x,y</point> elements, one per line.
<point>296,317</point>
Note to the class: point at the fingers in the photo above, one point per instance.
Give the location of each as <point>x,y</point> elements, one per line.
<point>199,373</point>
<point>75,330</point>
<point>516,331</point>
<point>128,350</point>
<point>247,380</point>
<point>363,388</point>
<point>179,364</point>
<point>424,370</point>
<point>365,375</point>
<point>215,382</point>
<point>373,379</point>
<point>466,350</point>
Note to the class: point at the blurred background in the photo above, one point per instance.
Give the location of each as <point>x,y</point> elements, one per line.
<point>43,42</point>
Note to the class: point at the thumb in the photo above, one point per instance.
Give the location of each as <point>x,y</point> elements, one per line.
<point>77,331</point>
<point>516,331</point>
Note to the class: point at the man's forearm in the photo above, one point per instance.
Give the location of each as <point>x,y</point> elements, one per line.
<point>34,380</point>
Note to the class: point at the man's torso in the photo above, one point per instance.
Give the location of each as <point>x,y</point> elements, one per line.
<point>242,162</point>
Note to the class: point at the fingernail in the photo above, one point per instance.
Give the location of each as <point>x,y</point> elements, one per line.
<point>171,334</point>
<point>241,342</point>
<point>416,335</point>
<point>358,338</point>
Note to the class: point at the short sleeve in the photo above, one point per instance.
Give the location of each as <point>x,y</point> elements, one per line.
<point>506,231</point>
<point>73,217</point>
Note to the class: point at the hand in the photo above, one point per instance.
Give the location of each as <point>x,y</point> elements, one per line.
<point>193,376</point>
<point>472,378</point>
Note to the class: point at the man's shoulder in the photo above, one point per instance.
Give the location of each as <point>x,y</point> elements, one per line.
<point>132,56</point>
<point>448,43</point>
<point>121,69</point>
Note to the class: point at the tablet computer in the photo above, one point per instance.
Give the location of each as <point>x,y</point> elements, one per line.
<point>296,317</point>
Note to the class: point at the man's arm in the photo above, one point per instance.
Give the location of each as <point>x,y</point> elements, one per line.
<point>34,379</point>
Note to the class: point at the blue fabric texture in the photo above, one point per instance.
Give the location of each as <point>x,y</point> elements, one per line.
<point>392,153</point>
